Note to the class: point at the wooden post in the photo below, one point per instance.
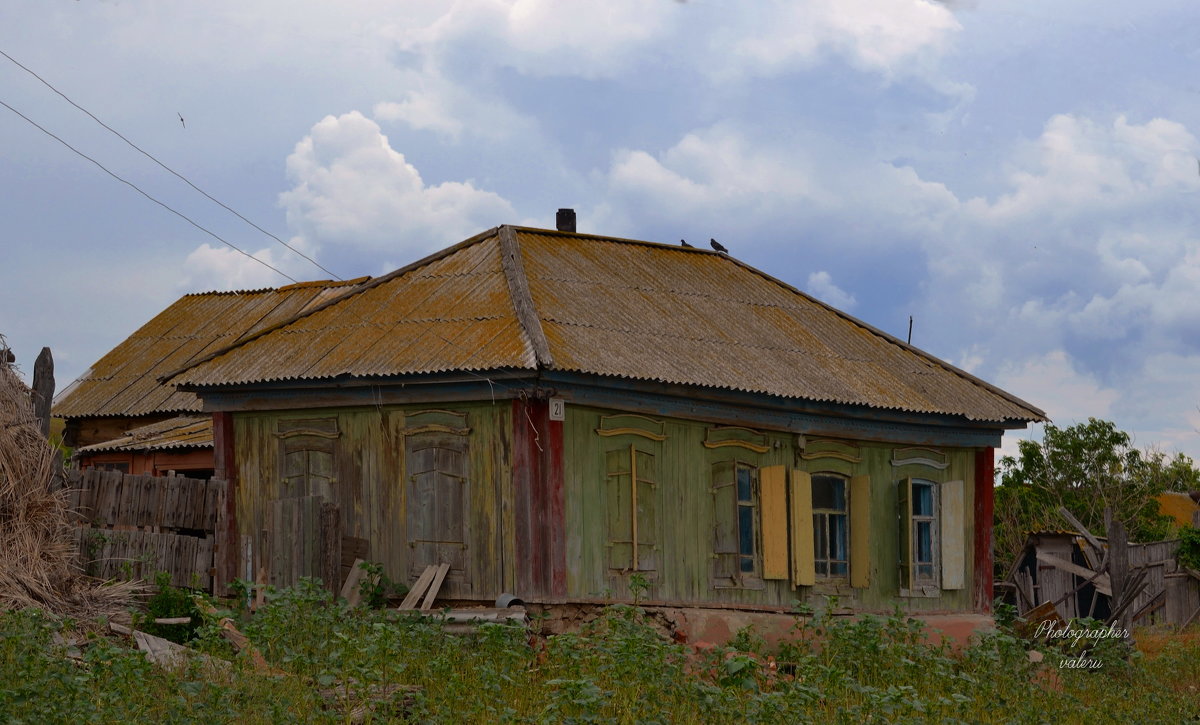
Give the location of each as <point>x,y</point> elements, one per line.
<point>985,482</point>
<point>1118,567</point>
<point>43,389</point>
<point>331,547</point>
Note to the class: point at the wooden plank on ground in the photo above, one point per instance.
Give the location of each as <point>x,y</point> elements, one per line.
<point>435,586</point>
<point>351,589</point>
<point>418,588</point>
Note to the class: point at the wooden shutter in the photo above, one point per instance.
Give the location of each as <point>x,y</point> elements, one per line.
<point>725,528</point>
<point>860,531</point>
<point>804,572</point>
<point>772,501</point>
<point>908,571</point>
<point>646,536</point>
<point>618,505</point>
<point>954,550</point>
<point>436,464</point>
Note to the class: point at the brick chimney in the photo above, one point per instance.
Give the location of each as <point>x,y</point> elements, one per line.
<point>565,220</point>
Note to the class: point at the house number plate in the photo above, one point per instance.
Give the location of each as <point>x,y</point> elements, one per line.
<point>558,409</point>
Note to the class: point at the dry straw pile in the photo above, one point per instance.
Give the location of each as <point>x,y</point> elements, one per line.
<point>38,558</point>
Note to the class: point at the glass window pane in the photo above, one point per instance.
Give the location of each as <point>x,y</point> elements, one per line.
<point>743,484</point>
<point>922,499</point>
<point>837,537</point>
<point>820,545</point>
<point>829,492</point>
<point>748,564</point>
<point>838,568</point>
<point>746,530</point>
<point>823,568</point>
<point>925,541</point>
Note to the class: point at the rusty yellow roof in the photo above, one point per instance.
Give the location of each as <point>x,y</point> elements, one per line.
<point>185,431</point>
<point>520,298</point>
<point>125,382</point>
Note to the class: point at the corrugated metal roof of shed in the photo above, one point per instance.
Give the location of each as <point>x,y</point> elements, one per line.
<point>188,431</point>
<point>125,381</point>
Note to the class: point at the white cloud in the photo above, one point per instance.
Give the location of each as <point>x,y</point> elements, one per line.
<point>820,285</point>
<point>874,35</point>
<point>212,267</point>
<point>351,189</point>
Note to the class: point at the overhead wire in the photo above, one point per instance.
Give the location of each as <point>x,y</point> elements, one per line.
<point>150,156</point>
<point>178,175</point>
<point>139,190</point>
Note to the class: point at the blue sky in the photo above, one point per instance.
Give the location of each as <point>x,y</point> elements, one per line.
<point>1021,177</point>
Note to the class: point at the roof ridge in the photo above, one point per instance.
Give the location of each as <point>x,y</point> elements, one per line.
<point>354,291</point>
<point>528,318</point>
<point>896,341</point>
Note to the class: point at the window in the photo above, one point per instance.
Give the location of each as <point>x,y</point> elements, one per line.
<point>831,556</point>
<point>436,469</point>
<point>735,536</point>
<point>830,516</point>
<point>631,482</point>
<point>307,457</point>
<point>932,555</point>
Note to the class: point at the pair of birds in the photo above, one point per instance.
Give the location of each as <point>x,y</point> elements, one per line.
<point>715,245</point>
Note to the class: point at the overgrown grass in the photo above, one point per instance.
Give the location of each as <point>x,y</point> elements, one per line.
<point>619,669</point>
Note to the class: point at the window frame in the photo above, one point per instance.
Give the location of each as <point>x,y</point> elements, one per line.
<point>737,577</point>
<point>821,517</point>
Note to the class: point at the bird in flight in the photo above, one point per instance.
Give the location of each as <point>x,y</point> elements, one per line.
<point>683,243</point>
<point>177,113</point>
<point>718,246</point>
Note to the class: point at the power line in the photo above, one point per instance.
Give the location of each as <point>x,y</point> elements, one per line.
<point>138,189</point>
<point>168,168</point>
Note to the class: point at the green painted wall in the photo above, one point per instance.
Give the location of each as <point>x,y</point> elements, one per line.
<point>686,516</point>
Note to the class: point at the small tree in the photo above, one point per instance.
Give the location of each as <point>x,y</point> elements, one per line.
<point>1087,468</point>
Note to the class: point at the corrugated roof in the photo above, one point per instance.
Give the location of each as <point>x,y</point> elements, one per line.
<point>125,382</point>
<point>186,431</point>
<point>610,307</point>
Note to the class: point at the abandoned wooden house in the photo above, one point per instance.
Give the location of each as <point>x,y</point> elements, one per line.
<point>569,417</point>
<point>121,416</point>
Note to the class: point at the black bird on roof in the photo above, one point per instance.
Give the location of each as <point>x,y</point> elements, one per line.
<point>718,246</point>
<point>683,243</point>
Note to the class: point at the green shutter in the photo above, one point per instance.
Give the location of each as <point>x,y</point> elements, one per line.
<point>725,530</point>
<point>907,570</point>
<point>954,550</point>
<point>860,531</point>
<point>647,511</point>
<point>618,505</point>
<point>804,571</point>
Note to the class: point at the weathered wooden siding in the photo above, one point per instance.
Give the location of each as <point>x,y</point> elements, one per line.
<point>366,476</point>
<point>685,500</point>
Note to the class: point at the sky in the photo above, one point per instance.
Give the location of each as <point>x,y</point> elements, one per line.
<point>1019,176</point>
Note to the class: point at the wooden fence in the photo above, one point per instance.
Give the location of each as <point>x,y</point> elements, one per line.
<point>132,527</point>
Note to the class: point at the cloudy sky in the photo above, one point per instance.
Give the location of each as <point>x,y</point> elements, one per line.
<point>1019,176</point>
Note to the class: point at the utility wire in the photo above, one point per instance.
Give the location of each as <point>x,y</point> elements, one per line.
<point>168,168</point>
<point>138,189</point>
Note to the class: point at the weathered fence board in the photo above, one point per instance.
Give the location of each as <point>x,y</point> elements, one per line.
<point>133,526</point>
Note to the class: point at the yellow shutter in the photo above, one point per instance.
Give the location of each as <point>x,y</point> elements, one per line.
<point>772,499</point>
<point>804,572</point>
<point>860,531</point>
<point>954,549</point>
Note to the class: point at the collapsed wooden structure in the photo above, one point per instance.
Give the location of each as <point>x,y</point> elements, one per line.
<point>1079,575</point>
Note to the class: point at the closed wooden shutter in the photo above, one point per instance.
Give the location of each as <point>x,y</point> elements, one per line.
<point>904,497</point>
<point>954,550</point>
<point>860,531</point>
<point>725,527</point>
<point>804,571</point>
<point>774,513</point>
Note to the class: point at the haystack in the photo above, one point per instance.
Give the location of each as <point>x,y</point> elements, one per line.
<point>38,557</point>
